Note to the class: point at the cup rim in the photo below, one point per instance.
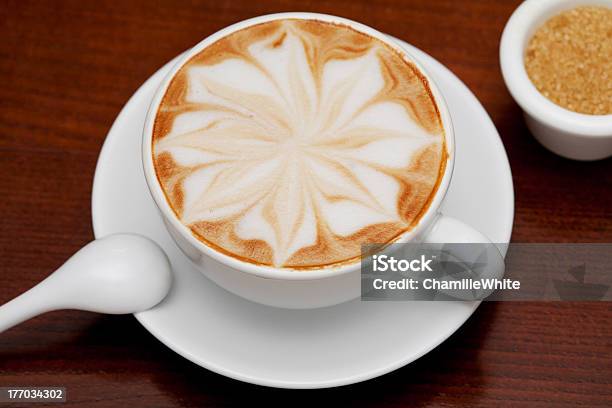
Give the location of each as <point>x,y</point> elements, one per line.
<point>271,272</point>
<point>519,29</point>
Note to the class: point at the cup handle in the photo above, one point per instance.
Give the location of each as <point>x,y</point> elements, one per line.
<point>450,230</point>
<point>470,247</point>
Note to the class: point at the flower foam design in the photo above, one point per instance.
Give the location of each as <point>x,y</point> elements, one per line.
<point>298,143</point>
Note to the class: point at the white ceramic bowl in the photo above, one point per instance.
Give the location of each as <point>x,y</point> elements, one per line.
<point>569,134</point>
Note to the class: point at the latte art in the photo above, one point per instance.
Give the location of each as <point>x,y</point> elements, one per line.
<point>292,143</point>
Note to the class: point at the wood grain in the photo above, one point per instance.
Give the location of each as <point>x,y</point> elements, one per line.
<point>68,67</point>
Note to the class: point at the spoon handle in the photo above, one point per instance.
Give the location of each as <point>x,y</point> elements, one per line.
<point>29,304</point>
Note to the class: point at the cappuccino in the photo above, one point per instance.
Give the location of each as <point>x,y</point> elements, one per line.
<point>293,142</point>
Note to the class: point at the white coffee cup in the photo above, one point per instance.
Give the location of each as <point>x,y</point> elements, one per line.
<point>285,287</point>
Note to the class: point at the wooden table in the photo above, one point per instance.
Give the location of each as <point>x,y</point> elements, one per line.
<point>68,67</point>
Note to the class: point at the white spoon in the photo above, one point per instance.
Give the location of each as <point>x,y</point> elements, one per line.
<point>121,273</point>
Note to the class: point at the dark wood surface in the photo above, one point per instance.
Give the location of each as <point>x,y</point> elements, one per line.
<point>68,67</point>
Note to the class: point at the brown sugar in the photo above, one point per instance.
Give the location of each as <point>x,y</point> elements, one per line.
<point>569,60</point>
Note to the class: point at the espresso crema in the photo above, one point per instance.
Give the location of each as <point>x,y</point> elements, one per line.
<point>293,142</point>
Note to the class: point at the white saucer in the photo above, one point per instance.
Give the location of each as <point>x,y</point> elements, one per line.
<point>326,347</point>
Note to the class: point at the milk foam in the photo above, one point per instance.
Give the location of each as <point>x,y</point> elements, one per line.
<point>292,143</point>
